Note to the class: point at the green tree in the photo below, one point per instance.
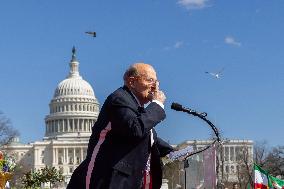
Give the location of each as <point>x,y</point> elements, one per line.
<point>34,179</point>
<point>51,175</point>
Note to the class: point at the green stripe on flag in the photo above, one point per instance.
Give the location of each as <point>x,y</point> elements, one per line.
<point>275,182</point>
<point>257,167</point>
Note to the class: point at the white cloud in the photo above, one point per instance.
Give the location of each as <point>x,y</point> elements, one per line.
<point>193,4</point>
<point>178,44</point>
<point>231,41</point>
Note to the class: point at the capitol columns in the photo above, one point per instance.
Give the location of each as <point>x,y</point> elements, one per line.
<point>64,155</point>
<point>53,156</point>
<point>81,151</point>
<point>74,156</point>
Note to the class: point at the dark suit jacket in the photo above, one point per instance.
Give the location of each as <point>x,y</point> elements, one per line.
<point>122,156</point>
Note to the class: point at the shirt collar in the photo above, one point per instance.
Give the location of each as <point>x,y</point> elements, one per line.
<point>136,99</point>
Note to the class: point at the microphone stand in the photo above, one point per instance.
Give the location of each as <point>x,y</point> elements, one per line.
<point>185,165</point>
<point>202,116</point>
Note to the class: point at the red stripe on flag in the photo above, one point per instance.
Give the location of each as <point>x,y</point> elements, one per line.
<point>260,186</point>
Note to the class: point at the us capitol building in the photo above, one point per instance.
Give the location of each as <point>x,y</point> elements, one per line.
<point>73,111</point>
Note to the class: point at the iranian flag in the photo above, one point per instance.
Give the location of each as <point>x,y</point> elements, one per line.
<point>262,180</point>
<point>275,183</point>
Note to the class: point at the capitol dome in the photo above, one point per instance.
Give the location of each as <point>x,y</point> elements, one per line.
<point>73,86</point>
<point>73,108</point>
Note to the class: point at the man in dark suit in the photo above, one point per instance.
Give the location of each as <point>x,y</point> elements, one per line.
<point>124,150</point>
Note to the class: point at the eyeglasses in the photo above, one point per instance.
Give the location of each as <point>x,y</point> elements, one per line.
<point>148,79</point>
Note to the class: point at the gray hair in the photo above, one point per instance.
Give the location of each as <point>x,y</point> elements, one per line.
<point>131,71</point>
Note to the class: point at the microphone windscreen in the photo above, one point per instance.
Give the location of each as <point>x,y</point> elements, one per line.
<point>176,106</point>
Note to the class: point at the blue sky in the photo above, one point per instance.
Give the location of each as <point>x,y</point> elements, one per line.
<point>182,39</point>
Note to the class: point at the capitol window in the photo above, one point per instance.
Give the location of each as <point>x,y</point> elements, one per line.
<point>226,153</point>
<point>71,160</point>
<point>227,169</point>
<point>232,153</point>
<point>232,169</point>
<point>60,160</point>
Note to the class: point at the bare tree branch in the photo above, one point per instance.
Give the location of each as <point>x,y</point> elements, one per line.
<point>7,132</point>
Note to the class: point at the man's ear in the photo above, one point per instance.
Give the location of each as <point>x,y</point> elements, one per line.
<point>130,81</point>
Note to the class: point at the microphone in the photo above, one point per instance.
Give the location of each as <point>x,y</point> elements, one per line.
<point>178,107</point>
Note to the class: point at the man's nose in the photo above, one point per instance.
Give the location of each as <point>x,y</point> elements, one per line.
<point>155,86</point>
